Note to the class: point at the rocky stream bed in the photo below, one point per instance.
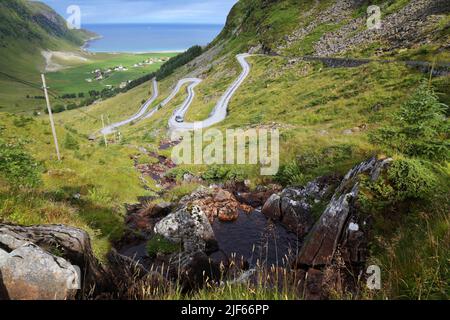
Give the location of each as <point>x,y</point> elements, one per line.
<point>219,232</point>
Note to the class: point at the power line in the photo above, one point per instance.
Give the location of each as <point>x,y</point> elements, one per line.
<point>51,93</point>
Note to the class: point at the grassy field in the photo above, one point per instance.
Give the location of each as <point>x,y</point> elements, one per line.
<point>73,80</point>
<point>18,97</point>
<point>86,189</point>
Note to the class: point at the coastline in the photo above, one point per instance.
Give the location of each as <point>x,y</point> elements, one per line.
<point>147,38</point>
<point>86,43</point>
<point>85,48</point>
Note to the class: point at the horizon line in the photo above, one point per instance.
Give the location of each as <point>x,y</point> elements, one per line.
<point>155,23</point>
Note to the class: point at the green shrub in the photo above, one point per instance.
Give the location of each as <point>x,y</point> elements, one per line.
<point>290,174</point>
<point>18,167</point>
<point>71,143</point>
<point>22,121</point>
<point>420,128</point>
<point>310,164</point>
<point>178,173</point>
<point>411,179</point>
<point>406,179</point>
<point>222,173</point>
<point>159,244</point>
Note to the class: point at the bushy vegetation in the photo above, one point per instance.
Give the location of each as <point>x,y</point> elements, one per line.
<point>406,180</point>
<point>419,129</point>
<point>168,67</point>
<point>18,167</point>
<point>411,179</point>
<point>223,173</point>
<point>180,60</point>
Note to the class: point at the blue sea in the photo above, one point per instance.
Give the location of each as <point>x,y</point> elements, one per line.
<point>150,37</point>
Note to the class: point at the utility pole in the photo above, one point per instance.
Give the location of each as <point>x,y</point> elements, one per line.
<point>104,135</point>
<point>109,123</point>
<point>50,114</point>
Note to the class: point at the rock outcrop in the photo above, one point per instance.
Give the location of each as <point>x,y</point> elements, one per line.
<point>216,203</point>
<point>258,197</point>
<point>56,262</point>
<point>292,207</point>
<point>407,27</point>
<point>338,241</point>
<point>41,260</point>
<point>30,273</point>
<point>189,227</point>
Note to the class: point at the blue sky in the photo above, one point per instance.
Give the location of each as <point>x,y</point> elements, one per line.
<point>147,11</point>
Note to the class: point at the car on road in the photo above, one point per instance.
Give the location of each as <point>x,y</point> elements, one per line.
<point>179,119</point>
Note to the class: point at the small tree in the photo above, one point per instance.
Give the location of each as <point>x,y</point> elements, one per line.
<point>420,128</point>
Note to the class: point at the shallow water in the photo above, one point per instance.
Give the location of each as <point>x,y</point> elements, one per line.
<point>253,237</point>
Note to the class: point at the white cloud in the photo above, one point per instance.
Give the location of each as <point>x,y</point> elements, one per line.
<point>148,11</point>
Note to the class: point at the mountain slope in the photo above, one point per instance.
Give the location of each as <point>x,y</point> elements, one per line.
<point>26,29</point>
<point>34,22</point>
<point>326,28</point>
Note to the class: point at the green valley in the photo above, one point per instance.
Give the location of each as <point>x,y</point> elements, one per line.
<point>363,147</point>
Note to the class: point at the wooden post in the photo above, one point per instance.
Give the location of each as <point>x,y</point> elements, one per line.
<point>50,114</point>
<point>104,135</point>
<point>109,123</point>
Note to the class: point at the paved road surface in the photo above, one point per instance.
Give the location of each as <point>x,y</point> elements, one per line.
<point>111,128</point>
<point>219,112</point>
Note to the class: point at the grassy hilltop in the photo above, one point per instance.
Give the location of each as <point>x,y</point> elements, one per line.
<point>329,119</point>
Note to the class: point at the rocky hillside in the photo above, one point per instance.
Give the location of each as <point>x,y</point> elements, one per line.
<point>328,28</point>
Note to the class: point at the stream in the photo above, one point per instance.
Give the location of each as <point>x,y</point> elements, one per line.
<point>252,238</point>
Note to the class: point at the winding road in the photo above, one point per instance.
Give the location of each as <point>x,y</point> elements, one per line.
<point>218,114</point>
<point>111,128</point>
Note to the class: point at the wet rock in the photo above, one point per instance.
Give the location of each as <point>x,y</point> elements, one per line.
<point>272,208</point>
<point>190,227</point>
<point>142,218</point>
<point>293,205</point>
<point>227,215</point>
<point>296,215</point>
<point>158,210</point>
<point>194,270</point>
<point>259,197</point>
<point>216,202</point>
